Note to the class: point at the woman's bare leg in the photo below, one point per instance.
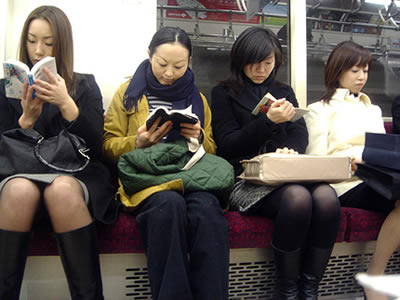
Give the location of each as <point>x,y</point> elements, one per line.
<point>19,201</point>
<point>66,205</point>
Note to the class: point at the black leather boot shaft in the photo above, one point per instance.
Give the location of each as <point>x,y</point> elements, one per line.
<point>287,265</point>
<point>13,253</point>
<point>80,258</point>
<point>313,269</point>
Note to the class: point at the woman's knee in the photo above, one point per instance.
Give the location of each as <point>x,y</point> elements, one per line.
<point>20,192</point>
<point>204,207</point>
<point>323,192</point>
<point>163,208</point>
<point>65,193</point>
<point>297,198</point>
<point>325,200</point>
<point>203,201</point>
<point>169,200</point>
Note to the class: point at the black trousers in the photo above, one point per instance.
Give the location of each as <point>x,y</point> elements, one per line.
<point>186,243</point>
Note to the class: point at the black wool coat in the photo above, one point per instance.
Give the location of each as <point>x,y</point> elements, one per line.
<point>240,135</point>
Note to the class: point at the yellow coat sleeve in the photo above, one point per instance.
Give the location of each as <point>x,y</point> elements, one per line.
<point>208,143</point>
<point>121,126</point>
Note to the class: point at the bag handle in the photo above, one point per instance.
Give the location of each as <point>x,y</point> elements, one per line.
<point>195,147</point>
<point>46,163</point>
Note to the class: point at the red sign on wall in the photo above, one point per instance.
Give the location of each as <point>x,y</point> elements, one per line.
<point>209,16</point>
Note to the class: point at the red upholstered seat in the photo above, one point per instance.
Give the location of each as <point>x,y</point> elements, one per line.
<point>356,225</point>
<point>120,237</point>
<point>362,225</point>
<point>123,235</point>
<point>388,127</point>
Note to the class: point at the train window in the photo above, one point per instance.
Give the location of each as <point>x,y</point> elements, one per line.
<point>213,26</point>
<point>373,24</point>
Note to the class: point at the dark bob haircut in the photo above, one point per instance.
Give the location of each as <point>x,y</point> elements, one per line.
<point>342,58</point>
<point>252,46</point>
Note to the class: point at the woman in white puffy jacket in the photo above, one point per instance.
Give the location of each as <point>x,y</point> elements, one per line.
<point>337,125</point>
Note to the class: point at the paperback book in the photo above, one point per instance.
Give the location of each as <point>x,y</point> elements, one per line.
<point>265,103</point>
<point>177,116</point>
<point>16,73</point>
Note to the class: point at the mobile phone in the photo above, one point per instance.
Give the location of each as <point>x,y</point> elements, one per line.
<point>30,82</point>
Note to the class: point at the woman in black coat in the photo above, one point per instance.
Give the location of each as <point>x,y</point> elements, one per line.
<point>306,217</point>
<point>72,101</point>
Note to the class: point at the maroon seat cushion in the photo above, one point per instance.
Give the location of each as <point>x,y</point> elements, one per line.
<point>248,231</point>
<point>123,235</point>
<point>119,237</point>
<point>244,232</point>
<point>43,242</point>
<point>388,127</point>
<point>362,225</point>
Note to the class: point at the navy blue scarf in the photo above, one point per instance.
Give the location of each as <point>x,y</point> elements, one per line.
<point>181,94</point>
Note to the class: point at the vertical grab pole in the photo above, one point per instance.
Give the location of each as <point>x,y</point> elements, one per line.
<point>298,49</point>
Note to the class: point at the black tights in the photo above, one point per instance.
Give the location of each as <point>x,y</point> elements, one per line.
<point>304,215</point>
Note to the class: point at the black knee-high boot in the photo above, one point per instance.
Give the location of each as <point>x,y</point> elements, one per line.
<point>80,258</point>
<point>287,265</point>
<point>313,269</point>
<point>13,254</point>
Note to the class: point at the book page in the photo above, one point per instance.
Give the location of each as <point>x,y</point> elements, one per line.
<point>186,111</point>
<point>177,116</point>
<point>299,113</point>
<point>15,75</point>
<point>50,63</point>
<point>266,102</point>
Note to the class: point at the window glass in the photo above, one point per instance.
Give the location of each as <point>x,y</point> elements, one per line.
<point>373,25</point>
<point>213,26</point>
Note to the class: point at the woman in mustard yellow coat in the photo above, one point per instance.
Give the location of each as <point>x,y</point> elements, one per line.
<point>185,235</point>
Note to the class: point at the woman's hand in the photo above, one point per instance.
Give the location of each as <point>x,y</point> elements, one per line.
<point>31,108</point>
<point>146,138</point>
<point>354,162</point>
<point>191,130</point>
<point>286,151</point>
<point>55,92</point>
<point>281,111</point>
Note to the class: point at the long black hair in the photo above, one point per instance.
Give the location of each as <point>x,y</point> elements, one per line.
<point>252,46</point>
<point>63,48</point>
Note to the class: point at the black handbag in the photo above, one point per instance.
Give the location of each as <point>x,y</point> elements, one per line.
<point>27,151</point>
<point>382,150</point>
<point>383,180</point>
<point>381,167</point>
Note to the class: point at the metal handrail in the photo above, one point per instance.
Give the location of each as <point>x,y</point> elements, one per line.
<point>233,12</point>
<point>227,11</point>
<point>351,23</point>
<point>228,39</point>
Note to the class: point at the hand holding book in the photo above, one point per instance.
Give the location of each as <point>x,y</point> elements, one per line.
<point>268,100</point>
<point>176,116</point>
<point>16,73</point>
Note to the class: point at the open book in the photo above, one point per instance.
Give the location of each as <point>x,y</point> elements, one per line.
<point>265,103</point>
<point>177,116</point>
<point>16,74</point>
